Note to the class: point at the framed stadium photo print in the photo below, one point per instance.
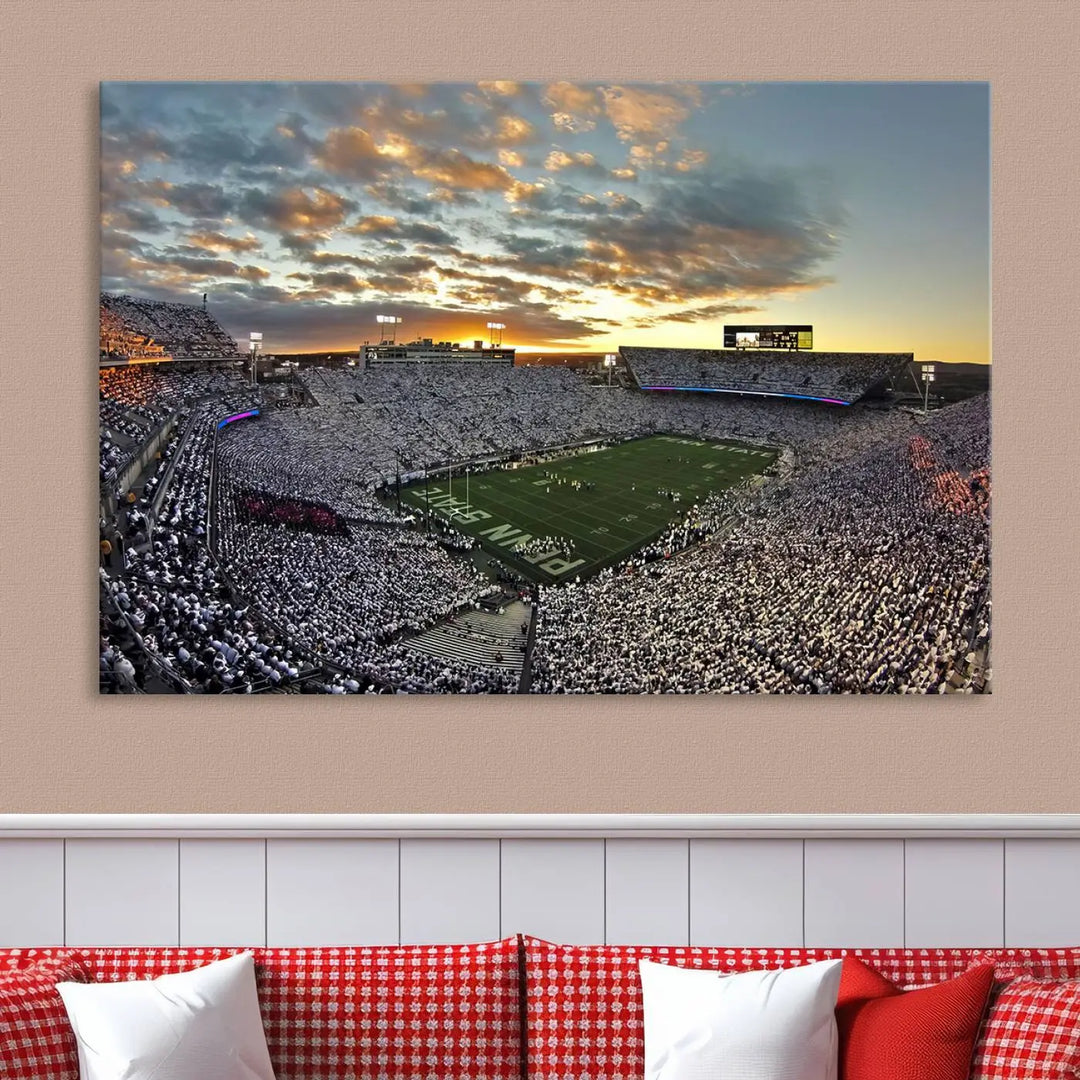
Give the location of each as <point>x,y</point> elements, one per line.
<point>549,388</point>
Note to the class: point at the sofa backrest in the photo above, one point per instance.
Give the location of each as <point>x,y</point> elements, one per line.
<point>583,1017</point>
<point>425,1012</point>
<point>391,1013</point>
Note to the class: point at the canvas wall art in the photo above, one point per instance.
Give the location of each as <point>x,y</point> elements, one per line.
<point>548,388</point>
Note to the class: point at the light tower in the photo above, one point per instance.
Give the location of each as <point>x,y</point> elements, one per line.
<point>496,328</point>
<point>391,321</point>
<point>927,379</point>
<point>254,345</point>
<point>610,360</point>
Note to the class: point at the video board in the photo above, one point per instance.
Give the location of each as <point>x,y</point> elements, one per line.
<point>768,337</point>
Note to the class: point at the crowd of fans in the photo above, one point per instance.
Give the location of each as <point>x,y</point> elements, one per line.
<point>346,597</point>
<point>854,577</point>
<point>132,327</point>
<point>834,376</point>
<point>866,570</point>
<point>304,453</point>
<point>374,424</point>
<point>184,612</point>
<point>117,341</point>
<point>134,401</point>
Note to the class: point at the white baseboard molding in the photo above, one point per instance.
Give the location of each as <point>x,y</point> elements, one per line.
<point>539,826</point>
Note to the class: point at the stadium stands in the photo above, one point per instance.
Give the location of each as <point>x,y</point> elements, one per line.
<point>431,416</point>
<point>858,577</point>
<point>120,341</point>
<point>134,328</point>
<point>837,378</point>
<point>132,401</point>
<point>259,556</point>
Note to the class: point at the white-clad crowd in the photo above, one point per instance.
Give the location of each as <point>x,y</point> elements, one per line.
<point>132,326</point>
<point>864,571</point>
<point>415,417</point>
<point>853,578</point>
<point>833,376</point>
<point>345,595</point>
<point>173,597</point>
<point>134,401</point>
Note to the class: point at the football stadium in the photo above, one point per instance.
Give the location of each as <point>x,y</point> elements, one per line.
<point>434,519</point>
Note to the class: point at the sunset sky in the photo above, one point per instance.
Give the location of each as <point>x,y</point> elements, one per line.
<point>584,216</point>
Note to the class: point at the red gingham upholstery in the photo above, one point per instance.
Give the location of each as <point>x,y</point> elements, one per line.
<point>1033,963</point>
<point>1032,1032</point>
<point>36,1038</point>
<point>433,1012</point>
<point>583,1002</point>
<point>409,1012</point>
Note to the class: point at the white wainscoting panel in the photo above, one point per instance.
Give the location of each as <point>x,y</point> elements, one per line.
<point>31,892</point>
<point>954,893</point>
<point>1042,892</point>
<point>647,892</point>
<point>449,891</point>
<point>746,892</point>
<point>332,892</point>
<point>122,892</point>
<point>554,889</point>
<point>766,881</point>
<point>222,892</point>
<point>854,893</point>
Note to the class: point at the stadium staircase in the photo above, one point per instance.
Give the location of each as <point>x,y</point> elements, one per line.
<point>478,637</point>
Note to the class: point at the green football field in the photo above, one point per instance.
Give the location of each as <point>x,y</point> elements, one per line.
<point>620,501</point>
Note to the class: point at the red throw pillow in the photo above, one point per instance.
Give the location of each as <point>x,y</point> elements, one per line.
<point>891,1034</point>
<point>36,1038</point>
<point>1032,1032</point>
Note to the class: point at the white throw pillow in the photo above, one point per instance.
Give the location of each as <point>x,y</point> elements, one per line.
<point>195,1025</point>
<point>756,1025</point>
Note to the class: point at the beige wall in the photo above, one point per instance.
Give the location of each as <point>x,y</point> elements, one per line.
<point>62,748</point>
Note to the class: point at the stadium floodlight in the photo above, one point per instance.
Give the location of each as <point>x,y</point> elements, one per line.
<point>500,327</point>
<point>610,359</point>
<point>927,378</point>
<point>254,345</point>
<point>391,321</point>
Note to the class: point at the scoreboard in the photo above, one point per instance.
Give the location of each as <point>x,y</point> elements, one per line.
<point>768,337</point>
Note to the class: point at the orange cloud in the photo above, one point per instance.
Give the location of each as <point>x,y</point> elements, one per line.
<point>691,159</point>
<point>513,130</point>
<point>453,169</point>
<point>567,97</point>
<point>643,116</point>
<point>351,152</point>
<point>216,241</point>
<point>294,210</point>
<point>500,88</point>
<point>558,160</point>
<point>376,223</point>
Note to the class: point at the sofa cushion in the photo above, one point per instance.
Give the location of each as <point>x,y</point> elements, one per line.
<point>36,1039</point>
<point>890,1034</point>
<point>583,1002</point>
<point>195,1022</point>
<point>1031,963</point>
<point>403,1012</point>
<point>388,1012</point>
<point>753,1025</point>
<point>1032,1032</point>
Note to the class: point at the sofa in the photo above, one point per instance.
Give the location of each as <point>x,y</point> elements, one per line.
<point>524,1007</point>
